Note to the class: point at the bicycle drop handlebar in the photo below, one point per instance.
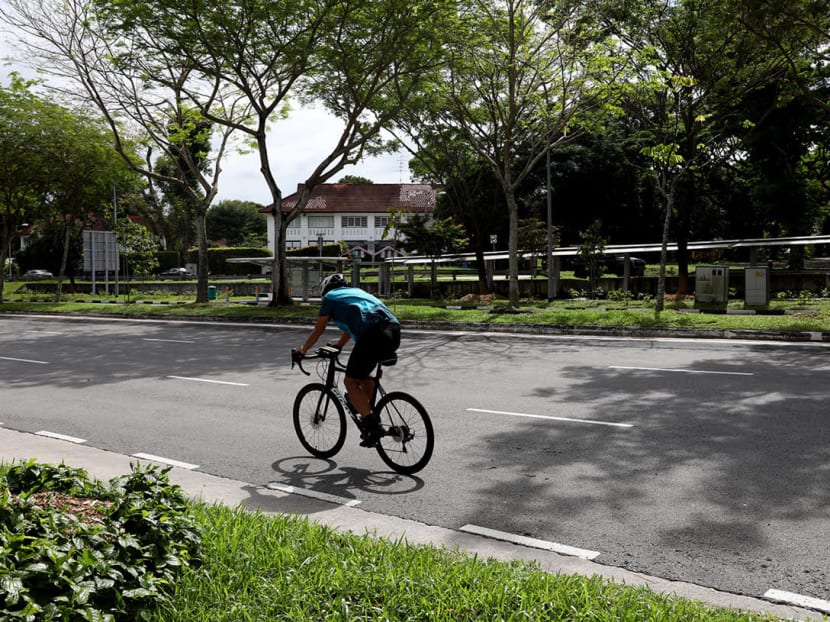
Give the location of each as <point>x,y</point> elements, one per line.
<point>326,352</point>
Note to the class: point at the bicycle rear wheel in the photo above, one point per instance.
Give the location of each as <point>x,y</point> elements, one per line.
<point>319,420</point>
<point>408,440</point>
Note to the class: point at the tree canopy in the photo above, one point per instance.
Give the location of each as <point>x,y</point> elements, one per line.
<point>237,223</point>
<point>671,119</point>
<point>57,166</point>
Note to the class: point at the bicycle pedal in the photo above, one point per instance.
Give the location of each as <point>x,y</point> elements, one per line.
<point>369,439</point>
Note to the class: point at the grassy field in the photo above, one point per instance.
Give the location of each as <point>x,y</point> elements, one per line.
<point>803,313</point>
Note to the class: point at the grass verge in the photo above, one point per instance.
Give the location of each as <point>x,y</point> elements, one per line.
<point>257,567</point>
<point>786,316</point>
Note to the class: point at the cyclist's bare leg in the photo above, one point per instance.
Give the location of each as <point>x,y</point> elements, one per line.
<point>360,394</point>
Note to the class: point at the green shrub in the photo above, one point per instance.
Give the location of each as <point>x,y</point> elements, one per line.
<point>618,295</point>
<point>329,250</point>
<point>75,549</point>
<point>218,259</point>
<point>167,260</point>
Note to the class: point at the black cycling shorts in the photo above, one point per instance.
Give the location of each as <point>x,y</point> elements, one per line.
<point>378,342</point>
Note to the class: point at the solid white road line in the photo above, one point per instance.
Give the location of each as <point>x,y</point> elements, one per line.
<point>61,437</point>
<point>322,496</point>
<point>684,371</point>
<point>8,358</point>
<point>175,463</point>
<point>798,600</point>
<point>568,419</point>
<point>562,549</point>
<point>168,340</point>
<point>233,384</point>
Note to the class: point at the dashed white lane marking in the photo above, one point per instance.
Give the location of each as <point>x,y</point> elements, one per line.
<point>552,418</point>
<point>322,496</point>
<point>684,371</point>
<point>169,340</point>
<point>562,549</point>
<point>798,599</point>
<point>61,437</point>
<point>175,463</point>
<point>233,384</point>
<point>8,358</point>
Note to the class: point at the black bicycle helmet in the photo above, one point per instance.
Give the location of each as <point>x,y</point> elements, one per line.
<point>333,281</point>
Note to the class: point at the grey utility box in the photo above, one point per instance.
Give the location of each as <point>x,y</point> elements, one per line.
<point>712,284</point>
<point>757,285</point>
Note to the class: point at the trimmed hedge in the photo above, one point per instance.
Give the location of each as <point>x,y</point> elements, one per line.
<point>329,250</point>
<point>167,260</point>
<point>218,259</point>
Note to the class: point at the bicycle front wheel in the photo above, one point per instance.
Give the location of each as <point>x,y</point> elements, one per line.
<point>319,420</point>
<point>407,441</point>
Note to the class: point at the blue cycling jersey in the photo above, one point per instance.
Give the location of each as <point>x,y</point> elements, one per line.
<point>353,310</point>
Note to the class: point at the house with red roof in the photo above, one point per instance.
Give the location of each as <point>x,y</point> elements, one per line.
<point>357,214</point>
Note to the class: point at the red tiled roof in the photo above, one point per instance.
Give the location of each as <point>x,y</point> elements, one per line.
<point>378,198</point>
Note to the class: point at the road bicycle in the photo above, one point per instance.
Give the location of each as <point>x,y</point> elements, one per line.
<point>406,437</point>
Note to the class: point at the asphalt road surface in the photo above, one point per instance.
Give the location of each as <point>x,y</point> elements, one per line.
<point>702,461</point>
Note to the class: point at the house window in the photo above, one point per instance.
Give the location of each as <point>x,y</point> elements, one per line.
<point>381,222</point>
<point>321,222</point>
<point>354,222</point>
<point>294,224</point>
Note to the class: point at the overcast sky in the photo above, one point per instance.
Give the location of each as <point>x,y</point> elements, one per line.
<point>296,144</point>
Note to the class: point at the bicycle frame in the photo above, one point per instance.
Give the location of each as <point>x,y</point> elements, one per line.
<point>333,367</point>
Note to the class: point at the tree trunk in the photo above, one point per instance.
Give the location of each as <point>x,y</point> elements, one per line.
<point>483,288</point>
<point>682,267</point>
<point>279,266</point>
<point>668,194</point>
<point>5,241</point>
<point>64,258</point>
<point>513,250</point>
<point>683,227</point>
<point>203,265</point>
<point>283,293</point>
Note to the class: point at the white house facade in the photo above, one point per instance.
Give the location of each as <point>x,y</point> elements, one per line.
<point>357,214</point>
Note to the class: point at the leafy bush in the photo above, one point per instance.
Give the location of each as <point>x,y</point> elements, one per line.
<point>802,297</point>
<point>618,295</point>
<point>218,259</point>
<point>75,549</point>
<point>329,250</point>
<point>586,293</point>
<point>167,260</point>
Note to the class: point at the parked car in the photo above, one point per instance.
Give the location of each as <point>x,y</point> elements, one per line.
<point>615,264</point>
<point>37,275</point>
<point>176,273</point>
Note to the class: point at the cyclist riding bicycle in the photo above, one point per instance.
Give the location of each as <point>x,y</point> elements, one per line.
<point>376,333</point>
